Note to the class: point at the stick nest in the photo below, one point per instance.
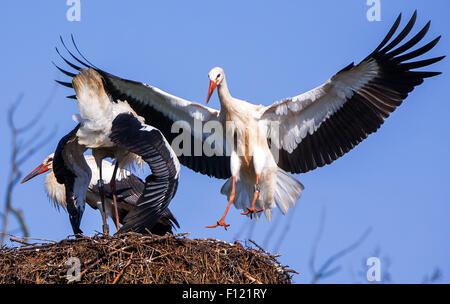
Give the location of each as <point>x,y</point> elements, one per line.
<point>133,258</point>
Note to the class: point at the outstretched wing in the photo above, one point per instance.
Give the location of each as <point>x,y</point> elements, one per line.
<point>162,110</point>
<point>160,187</point>
<point>319,126</point>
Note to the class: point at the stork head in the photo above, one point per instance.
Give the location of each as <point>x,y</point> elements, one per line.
<point>47,165</point>
<point>216,76</point>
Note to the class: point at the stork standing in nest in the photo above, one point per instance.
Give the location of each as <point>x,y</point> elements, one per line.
<point>129,189</point>
<point>95,118</point>
<point>113,130</point>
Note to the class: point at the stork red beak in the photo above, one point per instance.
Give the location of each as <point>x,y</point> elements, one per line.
<point>39,170</point>
<point>212,87</point>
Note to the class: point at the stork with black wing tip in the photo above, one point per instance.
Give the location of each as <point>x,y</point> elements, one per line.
<point>160,187</point>
<point>98,130</point>
<point>129,189</point>
<point>96,113</point>
<point>297,134</point>
<point>70,169</point>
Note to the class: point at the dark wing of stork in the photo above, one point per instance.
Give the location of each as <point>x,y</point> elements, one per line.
<point>71,170</point>
<point>161,186</point>
<point>128,191</point>
<point>319,126</point>
<point>161,110</point>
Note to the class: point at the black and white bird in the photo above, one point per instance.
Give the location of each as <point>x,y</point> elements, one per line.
<point>129,189</point>
<point>296,135</point>
<point>114,128</point>
<point>97,118</point>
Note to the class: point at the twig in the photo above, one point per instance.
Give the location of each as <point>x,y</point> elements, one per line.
<point>28,238</point>
<point>121,271</point>
<point>275,222</point>
<point>316,244</point>
<point>18,241</point>
<point>324,271</point>
<point>159,256</point>
<point>18,157</point>
<point>269,255</point>
<point>285,230</point>
<point>248,276</point>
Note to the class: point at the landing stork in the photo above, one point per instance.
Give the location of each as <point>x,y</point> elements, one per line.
<point>129,189</point>
<point>313,129</point>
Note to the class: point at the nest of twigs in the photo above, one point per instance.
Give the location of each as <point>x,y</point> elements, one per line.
<point>134,258</point>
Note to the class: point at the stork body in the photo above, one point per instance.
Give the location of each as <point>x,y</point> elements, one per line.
<point>257,184</point>
<point>95,118</point>
<point>129,189</point>
<point>102,124</point>
<point>96,115</point>
<point>296,134</point>
<point>113,130</point>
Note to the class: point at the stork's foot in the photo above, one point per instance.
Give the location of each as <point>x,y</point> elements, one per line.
<point>221,222</point>
<point>105,229</point>
<point>251,211</point>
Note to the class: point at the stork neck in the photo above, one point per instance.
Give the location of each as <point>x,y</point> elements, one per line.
<point>224,95</point>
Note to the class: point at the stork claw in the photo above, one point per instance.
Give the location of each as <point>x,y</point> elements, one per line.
<point>221,222</point>
<point>252,210</point>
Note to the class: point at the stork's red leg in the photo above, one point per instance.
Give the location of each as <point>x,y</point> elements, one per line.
<point>252,209</point>
<point>101,190</point>
<point>221,222</point>
<point>102,199</point>
<point>113,190</point>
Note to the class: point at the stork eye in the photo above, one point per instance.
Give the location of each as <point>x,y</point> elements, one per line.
<point>218,75</point>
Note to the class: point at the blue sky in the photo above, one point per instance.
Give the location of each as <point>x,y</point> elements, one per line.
<point>396,181</point>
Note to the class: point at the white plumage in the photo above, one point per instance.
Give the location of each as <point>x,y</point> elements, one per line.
<point>57,192</point>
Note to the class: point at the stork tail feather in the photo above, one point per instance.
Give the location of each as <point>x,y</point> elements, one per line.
<point>287,192</point>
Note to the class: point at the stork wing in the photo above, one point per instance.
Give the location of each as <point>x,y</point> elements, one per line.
<point>161,185</point>
<point>71,170</point>
<point>165,223</point>
<point>128,191</point>
<point>161,110</point>
<point>319,126</point>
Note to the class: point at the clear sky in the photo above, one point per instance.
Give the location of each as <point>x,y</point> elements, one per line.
<point>396,181</point>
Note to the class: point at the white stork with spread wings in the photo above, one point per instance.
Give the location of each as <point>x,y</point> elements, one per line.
<point>313,129</point>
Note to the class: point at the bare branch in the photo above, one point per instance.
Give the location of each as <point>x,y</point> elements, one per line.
<point>18,156</point>
<point>19,216</point>
<point>275,220</point>
<point>12,109</point>
<point>284,231</point>
<point>435,277</point>
<point>39,114</point>
<point>324,270</point>
<point>344,251</point>
<point>36,135</point>
<point>316,242</point>
<point>36,147</point>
